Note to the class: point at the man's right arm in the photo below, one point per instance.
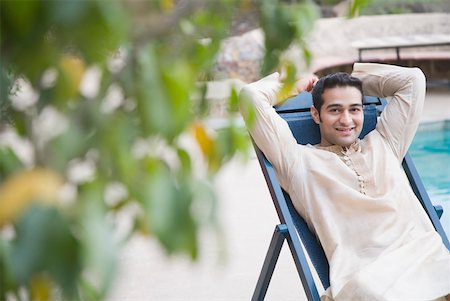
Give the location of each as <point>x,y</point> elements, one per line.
<point>269,131</point>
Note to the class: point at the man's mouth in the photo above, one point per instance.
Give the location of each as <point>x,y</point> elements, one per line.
<point>345,130</point>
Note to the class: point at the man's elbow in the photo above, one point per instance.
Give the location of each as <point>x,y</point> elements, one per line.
<point>418,77</point>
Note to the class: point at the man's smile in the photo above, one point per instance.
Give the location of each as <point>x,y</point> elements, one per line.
<point>345,130</point>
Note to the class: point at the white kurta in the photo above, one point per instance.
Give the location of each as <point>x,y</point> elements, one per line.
<point>379,241</point>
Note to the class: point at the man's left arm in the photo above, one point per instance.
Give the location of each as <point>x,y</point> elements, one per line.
<point>405,90</point>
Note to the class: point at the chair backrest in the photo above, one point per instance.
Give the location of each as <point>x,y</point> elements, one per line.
<point>296,111</point>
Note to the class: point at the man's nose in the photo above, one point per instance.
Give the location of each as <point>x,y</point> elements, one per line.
<point>345,118</point>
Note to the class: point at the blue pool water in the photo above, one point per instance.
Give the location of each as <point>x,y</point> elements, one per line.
<point>430,151</point>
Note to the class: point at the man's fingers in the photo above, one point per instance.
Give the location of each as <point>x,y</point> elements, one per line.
<point>313,80</point>
<point>306,83</point>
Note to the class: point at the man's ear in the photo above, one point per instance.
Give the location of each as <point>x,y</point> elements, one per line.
<point>315,115</point>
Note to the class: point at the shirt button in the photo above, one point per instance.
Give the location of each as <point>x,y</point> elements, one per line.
<point>348,163</point>
<point>360,178</point>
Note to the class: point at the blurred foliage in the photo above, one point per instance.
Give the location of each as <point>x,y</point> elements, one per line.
<point>293,21</point>
<point>103,118</point>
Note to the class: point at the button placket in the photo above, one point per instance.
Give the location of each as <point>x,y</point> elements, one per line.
<point>359,177</point>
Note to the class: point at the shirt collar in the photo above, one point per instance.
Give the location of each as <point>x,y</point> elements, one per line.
<point>355,147</point>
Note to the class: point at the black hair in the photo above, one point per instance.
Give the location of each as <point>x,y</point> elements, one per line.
<point>339,79</point>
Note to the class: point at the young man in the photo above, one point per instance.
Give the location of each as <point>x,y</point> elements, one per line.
<point>353,193</point>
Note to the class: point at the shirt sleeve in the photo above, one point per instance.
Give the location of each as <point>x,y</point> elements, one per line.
<point>405,90</point>
<point>270,132</point>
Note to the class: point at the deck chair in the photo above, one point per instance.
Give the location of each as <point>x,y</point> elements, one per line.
<point>292,227</point>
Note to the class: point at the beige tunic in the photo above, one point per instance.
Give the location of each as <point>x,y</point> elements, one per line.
<point>379,242</point>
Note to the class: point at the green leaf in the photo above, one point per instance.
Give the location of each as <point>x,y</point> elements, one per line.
<point>7,282</point>
<point>186,163</point>
<point>18,17</point>
<point>99,249</point>
<point>168,206</point>
<point>6,83</point>
<point>69,145</point>
<point>178,81</point>
<point>288,81</point>
<point>153,104</point>
<point>45,243</point>
<point>283,24</point>
<point>279,32</point>
<point>9,163</point>
<point>233,101</point>
<point>356,6</point>
<point>231,140</point>
<point>118,135</point>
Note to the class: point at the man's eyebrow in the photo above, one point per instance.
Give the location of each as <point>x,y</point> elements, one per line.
<point>334,105</point>
<point>338,105</point>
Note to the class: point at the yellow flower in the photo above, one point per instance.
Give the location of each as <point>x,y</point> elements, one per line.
<point>204,140</point>
<point>26,187</point>
<point>72,69</point>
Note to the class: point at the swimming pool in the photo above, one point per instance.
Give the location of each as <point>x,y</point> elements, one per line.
<point>430,151</point>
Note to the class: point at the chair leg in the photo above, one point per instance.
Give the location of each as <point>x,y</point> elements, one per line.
<point>278,237</point>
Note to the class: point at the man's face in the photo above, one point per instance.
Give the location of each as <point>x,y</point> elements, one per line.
<point>341,116</point>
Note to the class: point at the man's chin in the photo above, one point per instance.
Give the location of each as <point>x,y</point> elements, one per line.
<point>346,142</point>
